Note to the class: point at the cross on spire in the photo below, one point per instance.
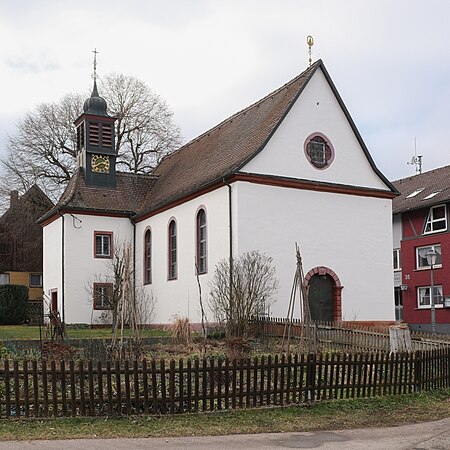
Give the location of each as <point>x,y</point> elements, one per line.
<point>310,42</point>
<point>95,63</point>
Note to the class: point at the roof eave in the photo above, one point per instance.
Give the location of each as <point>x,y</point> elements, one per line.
<point>67,209</point>
<point>357,134</point>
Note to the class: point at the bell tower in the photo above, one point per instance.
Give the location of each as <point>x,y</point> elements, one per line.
<point>96,153</point>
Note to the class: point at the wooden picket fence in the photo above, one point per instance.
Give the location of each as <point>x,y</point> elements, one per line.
<point>83,388</point>
<point>340,336</point>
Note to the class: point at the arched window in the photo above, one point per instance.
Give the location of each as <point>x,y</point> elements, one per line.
<point>148,257</point>
<point>201,242</point>
<point>172,250</point>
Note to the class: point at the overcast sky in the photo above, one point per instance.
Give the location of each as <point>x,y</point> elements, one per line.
<point>389,59</point>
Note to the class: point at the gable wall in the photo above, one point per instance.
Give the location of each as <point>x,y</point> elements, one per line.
<point>316,110</point>
<point>414,222</point>
<point>350,235</point>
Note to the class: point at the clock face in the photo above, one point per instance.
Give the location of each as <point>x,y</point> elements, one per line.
<point>100,163</point>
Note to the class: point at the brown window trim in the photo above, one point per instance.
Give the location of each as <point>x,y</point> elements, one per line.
<point>111,244</point>
<point>147,278</point>
<point>94,297</point>
<point>197,254</point>
<point>170,249</point>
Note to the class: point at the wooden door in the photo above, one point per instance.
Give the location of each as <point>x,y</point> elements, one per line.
<point>54,301</point>
<point>54,307</point>
<point>320,298</point>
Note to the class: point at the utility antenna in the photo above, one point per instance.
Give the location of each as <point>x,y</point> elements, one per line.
<point>95,64</point>
<point>310,42</point>
<point>416,160</point>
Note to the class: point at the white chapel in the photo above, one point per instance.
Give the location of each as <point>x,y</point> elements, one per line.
<point>291,167</point>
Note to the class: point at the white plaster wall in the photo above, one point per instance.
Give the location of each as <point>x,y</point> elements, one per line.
<point>81,268</point>
<point>181,296</point>
<point>396,230</point>
<point>316,110</point>
<point>52,260</point>
<point>351,235</point>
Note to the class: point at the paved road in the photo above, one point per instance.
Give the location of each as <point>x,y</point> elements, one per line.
<point>431,435</point>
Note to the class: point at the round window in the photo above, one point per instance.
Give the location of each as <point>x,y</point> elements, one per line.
<point>319,151</point>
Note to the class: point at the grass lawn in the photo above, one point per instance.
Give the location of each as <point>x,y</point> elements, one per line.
<point>341,414</point>
<point>32,332</point>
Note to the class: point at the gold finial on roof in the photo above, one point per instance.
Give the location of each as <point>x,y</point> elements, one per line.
<point>310,42</point>
<point>95,63</point>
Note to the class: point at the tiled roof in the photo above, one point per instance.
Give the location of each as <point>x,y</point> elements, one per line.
<point>127,198</point>
<point>224,148</point>
<point>202,162</point>
<point>431,188</point>
<point>33,200</point>
<point>20,236</point>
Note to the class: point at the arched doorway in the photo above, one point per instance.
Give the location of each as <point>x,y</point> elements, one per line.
<point>324,295</point>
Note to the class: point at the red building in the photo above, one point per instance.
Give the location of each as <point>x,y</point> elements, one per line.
<point>421,224</point>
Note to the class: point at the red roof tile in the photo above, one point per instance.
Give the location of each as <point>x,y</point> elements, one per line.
<point>224,148</point>
<point>126,198</point>
<point>436,181</point>
<point>206,160</point>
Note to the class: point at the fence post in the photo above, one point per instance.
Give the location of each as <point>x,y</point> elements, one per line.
<point>447,368</point>
<point>418,370</point>
<point>311,377</point>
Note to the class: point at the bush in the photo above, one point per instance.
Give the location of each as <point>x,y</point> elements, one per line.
<point>13,304</point>
<point>181,330</point>
<point>216,333</point>
<point>253,287</point>
<point>4,353</point>
<point>237,348</point>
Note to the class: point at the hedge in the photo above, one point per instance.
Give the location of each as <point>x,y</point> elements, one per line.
<point>13,304</point>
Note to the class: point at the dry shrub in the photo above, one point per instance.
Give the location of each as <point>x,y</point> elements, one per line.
<point>58,351</point>
<point>253,287</point>
<point>129,349</point>
<point>237,348</point>
<point>181,330</point>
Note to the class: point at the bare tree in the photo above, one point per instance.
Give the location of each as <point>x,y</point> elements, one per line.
<point>253,285</point>
<point>42,151</point>
<point>128,305</point>
<point>144,128</point>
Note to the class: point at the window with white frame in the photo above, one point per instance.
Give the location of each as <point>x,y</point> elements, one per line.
<point>172,250</point>
<point>397,260</point>
<point>35,279</point>
<point>423,297</point>
<point>437,219</point>
<point>103,244</point>
<point>421,256</point>
<point>148,257</point>
<point>201,241</point>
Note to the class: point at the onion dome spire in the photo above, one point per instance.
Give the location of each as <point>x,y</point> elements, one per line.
<point>95,104</point>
